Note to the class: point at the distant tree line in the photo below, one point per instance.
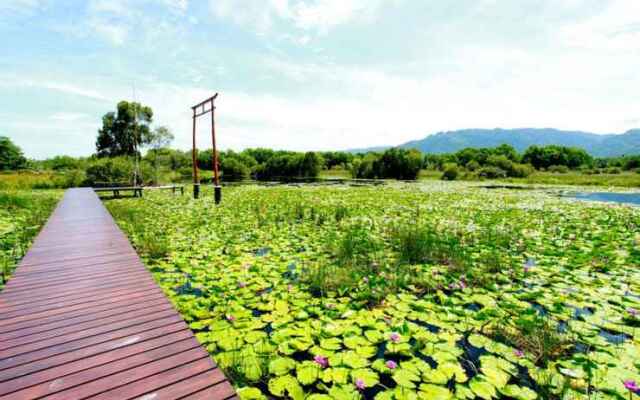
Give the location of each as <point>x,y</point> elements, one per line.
<point>127,146</point>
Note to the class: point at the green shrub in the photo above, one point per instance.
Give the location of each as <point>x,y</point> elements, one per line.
<point>520,170</point>
<point>558,169</point>
<point>491,172</point>
<point>234,169</point>
<point>394,163</point>
<point>614,170</point>
<point>118,170</point>
<point>472,165</point>
<point>450,172</point>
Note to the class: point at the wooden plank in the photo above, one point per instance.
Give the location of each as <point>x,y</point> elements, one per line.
<point>51,377</point>
<point>98,385</point>
<point>56,318</point>
<point>83,318</point>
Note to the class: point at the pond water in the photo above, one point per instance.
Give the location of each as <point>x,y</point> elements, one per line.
<point>625,198</point>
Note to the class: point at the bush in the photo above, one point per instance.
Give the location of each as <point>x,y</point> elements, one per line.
<point>70,178</point>
<point>520,170</point>
<point>392,164</point>
<point>614,170</point>
<point>450,172</point>
<point>558,169</point>
<point>472,165</point>
<point>116,170</point>
<point>491,172</point>
<point>547,156</point>
<point>290,165</point>
<point>234,169</point>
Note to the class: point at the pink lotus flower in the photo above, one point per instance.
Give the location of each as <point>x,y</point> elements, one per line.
<point>360,384</point>
<point>394,337</point>
<point>289,287</point>
<point>242,284</point>
<point>632,386</point>
<point>321,361</point>
<point>633,312</point>
<point>518,353</point>
<point>391,364</point>
<point>230,318</point>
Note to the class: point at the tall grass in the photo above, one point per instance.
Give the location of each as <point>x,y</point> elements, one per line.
<point>28,180</point>
<point>149,237</point>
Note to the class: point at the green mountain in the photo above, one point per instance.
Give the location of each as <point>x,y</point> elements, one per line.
<point>608,145</point>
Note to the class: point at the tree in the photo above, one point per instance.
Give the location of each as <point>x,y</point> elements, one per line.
<point>546,156</point>
<point>157,139</point>
<point>124,131</point>
<point>11,157</point>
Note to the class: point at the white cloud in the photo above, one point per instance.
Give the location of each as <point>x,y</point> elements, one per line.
<point>10,82</point>
<point>70,88</point>
<point>19,6</point>
<point>68,116</point>
<point>318,16</point>
<point>177,6</point>
<point>322,15</point>
<point>617,28</point>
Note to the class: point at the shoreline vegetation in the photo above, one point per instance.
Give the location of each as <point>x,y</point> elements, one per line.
<point>160,164</point>
<point>47,180</point>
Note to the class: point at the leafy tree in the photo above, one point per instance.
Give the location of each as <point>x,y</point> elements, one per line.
<point>234,169</point>
<point>290,165</point>
<point>450,172</point>
<point>334,159</point>
<point>394,163</point>
<point>157,139</point>
<point>11,157</point>
<point>124,131</point>
<point>62,163</point>
<point>545,156</point>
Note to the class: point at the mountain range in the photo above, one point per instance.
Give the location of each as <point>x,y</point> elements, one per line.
<point>598,145</point>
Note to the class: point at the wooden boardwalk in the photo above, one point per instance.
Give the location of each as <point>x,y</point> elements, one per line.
<point>83,318</point>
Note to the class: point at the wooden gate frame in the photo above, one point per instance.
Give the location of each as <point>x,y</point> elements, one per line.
<point>194,153</point>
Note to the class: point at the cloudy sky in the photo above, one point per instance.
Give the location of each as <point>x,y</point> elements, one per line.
<point>317,74</point>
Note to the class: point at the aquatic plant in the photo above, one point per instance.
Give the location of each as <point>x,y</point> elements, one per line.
<point>298,302</point>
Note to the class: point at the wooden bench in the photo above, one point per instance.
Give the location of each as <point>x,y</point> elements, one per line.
<point>137,190</point>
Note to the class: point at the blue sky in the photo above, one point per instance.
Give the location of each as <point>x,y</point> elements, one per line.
<point>316,74</point>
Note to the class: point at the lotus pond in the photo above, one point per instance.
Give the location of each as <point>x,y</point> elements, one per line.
<point>424,291</point>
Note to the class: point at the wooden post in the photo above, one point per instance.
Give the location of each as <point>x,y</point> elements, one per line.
<point>217,192</point>
<point>194,156</point>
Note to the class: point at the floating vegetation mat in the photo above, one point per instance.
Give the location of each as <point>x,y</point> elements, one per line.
<point>429,291</point>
